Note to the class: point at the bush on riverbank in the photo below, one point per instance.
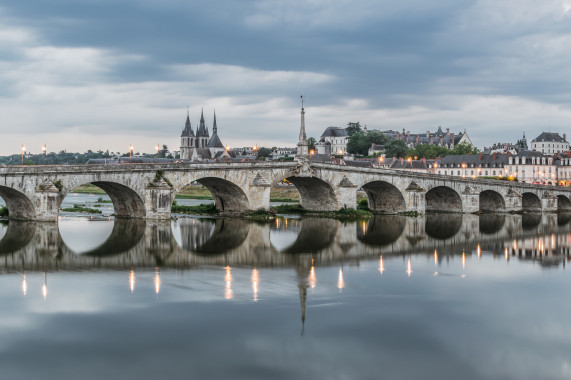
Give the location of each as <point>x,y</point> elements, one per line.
<point>81,208</point>
<point>209,208</point>
<point>3,212</point>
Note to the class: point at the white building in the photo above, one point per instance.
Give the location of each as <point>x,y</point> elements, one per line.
<point>550,143</point>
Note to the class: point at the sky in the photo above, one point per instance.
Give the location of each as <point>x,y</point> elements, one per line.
<point>105,74</point>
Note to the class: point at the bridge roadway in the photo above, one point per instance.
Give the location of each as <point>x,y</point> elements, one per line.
<point>29,246</point>
<point>147,190</point>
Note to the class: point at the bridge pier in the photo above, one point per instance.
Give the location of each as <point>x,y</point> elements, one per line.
<point>549,202</point>
<point>158,201</point>
<point>47,201</point>
<point>470,199</point>
<point>514,201</point>
<point>415,199</point>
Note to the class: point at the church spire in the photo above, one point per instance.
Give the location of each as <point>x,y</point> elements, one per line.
<point>214,127</point>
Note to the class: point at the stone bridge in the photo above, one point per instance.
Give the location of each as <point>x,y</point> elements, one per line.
<point>29,246</point>
<point>147,190</point>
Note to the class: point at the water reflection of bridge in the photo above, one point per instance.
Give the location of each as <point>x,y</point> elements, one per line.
<point>139,244</point>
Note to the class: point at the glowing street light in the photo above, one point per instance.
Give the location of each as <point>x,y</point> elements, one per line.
<point>130,152</point>
<point>23,150</point>
<point>157,148</point>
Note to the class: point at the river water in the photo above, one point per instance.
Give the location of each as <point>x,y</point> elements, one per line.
<point>435,297</point>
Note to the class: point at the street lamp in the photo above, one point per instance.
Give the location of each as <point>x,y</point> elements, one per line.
<point>44,150</point>
<point>23,150</point>
<point>130,152</point>
<point>157,148</point>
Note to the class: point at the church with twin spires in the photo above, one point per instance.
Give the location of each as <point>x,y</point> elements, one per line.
<point>200,145</point>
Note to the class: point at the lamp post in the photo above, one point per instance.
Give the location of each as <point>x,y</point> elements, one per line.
<point>157,149</point>
<point>130,152</point>
<point>23,150</point>
<point>45,150</point>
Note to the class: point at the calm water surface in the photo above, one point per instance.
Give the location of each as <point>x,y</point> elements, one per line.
<point>436,297</point>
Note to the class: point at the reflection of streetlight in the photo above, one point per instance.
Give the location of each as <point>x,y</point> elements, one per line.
<point>23,150</point>
<point>130,152</point>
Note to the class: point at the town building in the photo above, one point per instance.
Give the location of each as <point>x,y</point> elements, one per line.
<point>550,143</point>
<point>200,145</point>
<point>333,141</point>
<point>439,138</point>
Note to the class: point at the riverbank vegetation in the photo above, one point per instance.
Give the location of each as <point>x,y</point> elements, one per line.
<point>4,212</point>
<point>81,208</point>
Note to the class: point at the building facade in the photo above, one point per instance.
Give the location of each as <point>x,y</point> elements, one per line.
<point>550,143</point>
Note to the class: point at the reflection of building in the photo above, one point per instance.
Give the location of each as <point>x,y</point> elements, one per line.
<point>200,145</point>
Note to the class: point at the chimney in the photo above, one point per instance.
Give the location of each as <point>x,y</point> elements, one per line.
<point>447,131</point>
<point>508,154</point>
<point>494,156</point>
<point>565,137</point>
<point>407,135</point>
<point>431,139</point>
<point>452,138</point>
<point>480,156</point>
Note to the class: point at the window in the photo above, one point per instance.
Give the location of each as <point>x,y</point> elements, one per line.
<point>486,172</point>
<point>458,172</point>
<point>494,172</point>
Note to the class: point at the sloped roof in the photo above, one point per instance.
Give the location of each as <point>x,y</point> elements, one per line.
<point>215,142</point>
<point>335,132</point>
<point>549,137</point>
<point>187,131</point>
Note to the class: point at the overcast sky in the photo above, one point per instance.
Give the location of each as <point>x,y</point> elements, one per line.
<point>104,74</point>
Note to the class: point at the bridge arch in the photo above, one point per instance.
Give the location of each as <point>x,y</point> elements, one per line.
<point>127,203</point>
<point>315,194</point>
<point>227,195</point>
<point>530,202</point>
<point>563,203</point>
<point>384,197</point>
<point>491,200</point>
<point>443,198</point>
<point>20,207</point>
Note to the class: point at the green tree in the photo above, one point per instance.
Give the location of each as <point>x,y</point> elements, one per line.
<point>465,148</point>
<point>360,142</point>
<point>396,148</point>
<point>264,152</point>
<point>311,143</point>
<point>353,128</point>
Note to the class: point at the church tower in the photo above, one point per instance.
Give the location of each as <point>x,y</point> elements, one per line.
<point>302,146</point>
<point>202,135</point>
<point>187,138</point>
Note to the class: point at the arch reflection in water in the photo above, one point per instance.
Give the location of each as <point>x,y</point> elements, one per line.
<point>307,235</point>
<point>102,238</point>
<point>16,235</point>
<point>442,227</point>
<point>491,223</point>
<point>210,236</point>
<point>381,230</point>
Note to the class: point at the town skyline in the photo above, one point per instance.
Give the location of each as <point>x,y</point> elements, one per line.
<point>107,75</point>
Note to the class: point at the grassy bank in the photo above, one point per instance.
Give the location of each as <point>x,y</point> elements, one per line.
<point>81,208</point>
<point>346,214</point>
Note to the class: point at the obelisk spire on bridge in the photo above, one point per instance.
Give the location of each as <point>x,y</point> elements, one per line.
<point>302,146</point>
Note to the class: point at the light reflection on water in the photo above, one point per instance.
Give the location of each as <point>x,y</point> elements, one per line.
<point>225,298</point>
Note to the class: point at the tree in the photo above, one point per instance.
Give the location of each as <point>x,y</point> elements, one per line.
<point>353,128</point>
<point>163,152</point>
<point>360,142</point>
<point>311,143</point>
<point>465,148</point>
<point>396,148</point>
<point>264,152</point>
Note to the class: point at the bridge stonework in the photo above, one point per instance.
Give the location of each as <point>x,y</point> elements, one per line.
<point>147,190</point>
